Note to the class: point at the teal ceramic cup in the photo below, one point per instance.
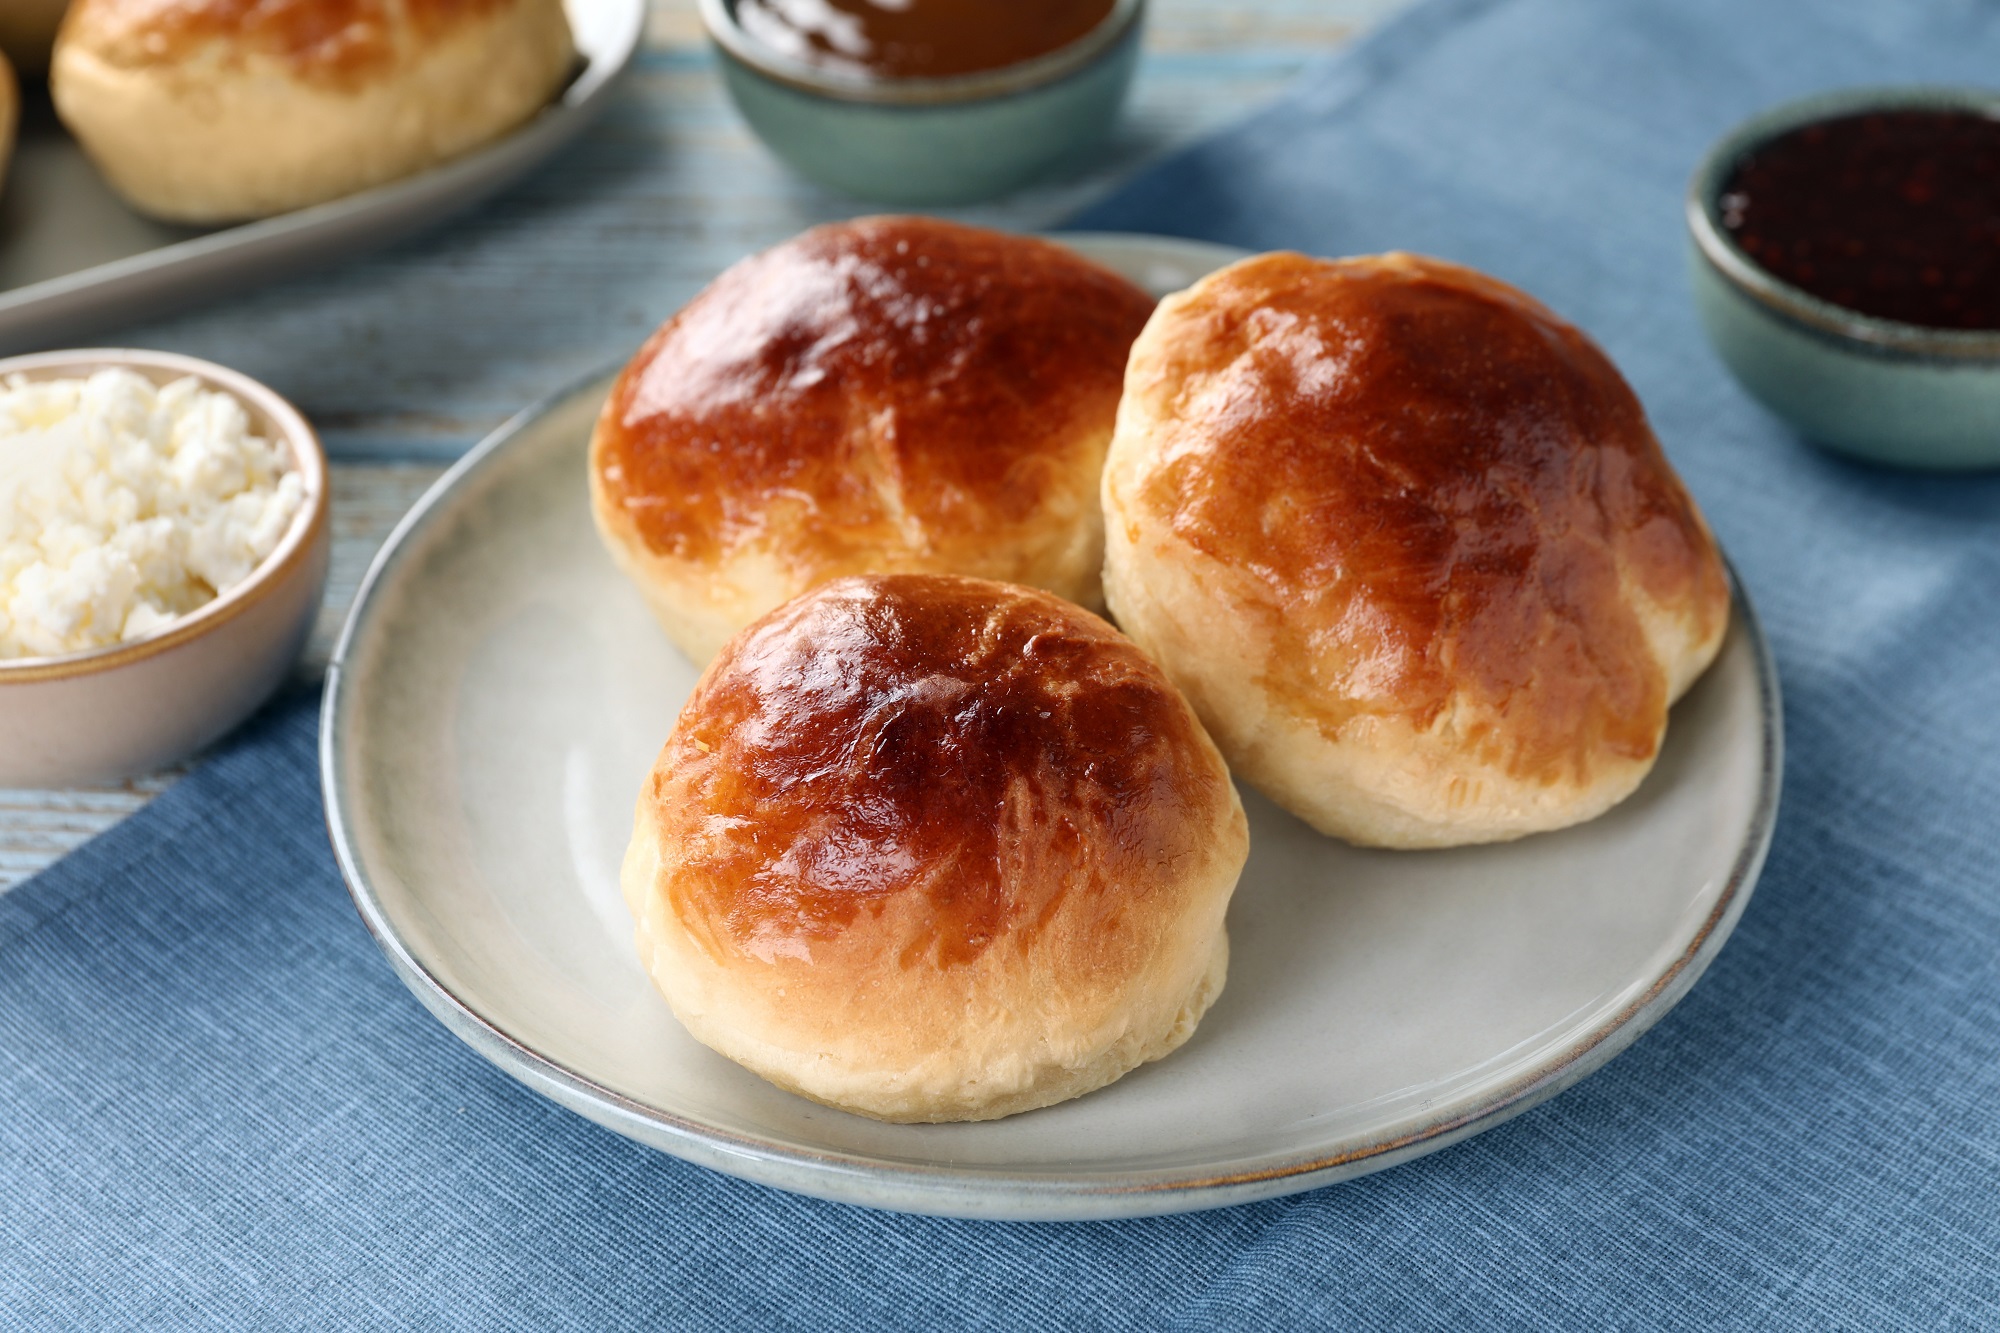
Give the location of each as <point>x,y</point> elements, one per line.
<point>1876,389</point>
<point>931,142</point>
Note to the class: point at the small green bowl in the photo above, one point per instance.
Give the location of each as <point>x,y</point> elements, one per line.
<point>931,142</point>
<point>1876,389</point>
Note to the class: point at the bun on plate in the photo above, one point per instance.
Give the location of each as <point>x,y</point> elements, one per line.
<point>205,111</point>
<point>889,394</point>
<point>1409,545</point>
<point>932,848</point>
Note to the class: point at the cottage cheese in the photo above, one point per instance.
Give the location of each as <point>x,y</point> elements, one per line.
<point>124,506</point>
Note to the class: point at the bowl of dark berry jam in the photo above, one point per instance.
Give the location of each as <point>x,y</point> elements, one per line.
<point>926,102</point>
<point>1846,264</point>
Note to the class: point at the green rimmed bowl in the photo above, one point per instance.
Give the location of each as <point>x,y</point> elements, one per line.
<point>931,142</point>
<point>1875,389</point>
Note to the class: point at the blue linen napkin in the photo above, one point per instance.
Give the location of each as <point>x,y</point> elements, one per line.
<point>218,1108</point>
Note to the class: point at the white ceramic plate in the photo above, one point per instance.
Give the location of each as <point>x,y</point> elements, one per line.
<point>500,692</point>
<point>74,258</point>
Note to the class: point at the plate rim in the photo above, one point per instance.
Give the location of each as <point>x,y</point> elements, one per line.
<point>940,1188</point>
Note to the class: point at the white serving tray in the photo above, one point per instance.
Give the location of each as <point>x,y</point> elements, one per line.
<point>75,259</point>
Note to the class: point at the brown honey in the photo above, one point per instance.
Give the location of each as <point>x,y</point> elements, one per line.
<point>917,39</point>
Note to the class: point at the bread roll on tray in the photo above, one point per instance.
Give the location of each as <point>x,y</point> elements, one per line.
<point>208,111</point>
<point>889,394</point>
<point>933,848</point>
<point>1408,543</point>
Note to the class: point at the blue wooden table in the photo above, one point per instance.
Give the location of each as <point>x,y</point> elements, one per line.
<point>407,358</point>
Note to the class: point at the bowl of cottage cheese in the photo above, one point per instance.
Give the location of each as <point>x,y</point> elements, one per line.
<point>163,551</point>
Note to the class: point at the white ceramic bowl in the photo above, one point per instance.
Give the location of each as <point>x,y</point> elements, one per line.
<point>133,707</point>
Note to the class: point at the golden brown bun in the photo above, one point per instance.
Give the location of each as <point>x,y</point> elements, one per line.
<point>28,30</point>
<point>1409,545</point>
<point>216,110</point>
<point>890,394</point>
<point>932,848</point>
<point>10,116</point>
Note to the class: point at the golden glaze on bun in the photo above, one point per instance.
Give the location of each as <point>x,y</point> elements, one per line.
<point>889,394</point>
<point>932,848</point>
<point>217,110</point>
<point>1408,543</point>
<point>10,116</point>
<point>28,30</point>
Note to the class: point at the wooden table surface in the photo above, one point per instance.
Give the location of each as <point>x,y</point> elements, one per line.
<point>406,359</point>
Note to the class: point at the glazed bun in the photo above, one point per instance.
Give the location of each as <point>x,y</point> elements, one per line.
<point>205,111</point>
<point>932,848</point>
<point>1409,545</point>
<point>28,30</point>
<point>891,394</point>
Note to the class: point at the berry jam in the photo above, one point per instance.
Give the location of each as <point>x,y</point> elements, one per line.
<point>1894,214</point>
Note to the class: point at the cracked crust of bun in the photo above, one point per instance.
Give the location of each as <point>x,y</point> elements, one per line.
<point>930,848</point>
<point>1408,543</point>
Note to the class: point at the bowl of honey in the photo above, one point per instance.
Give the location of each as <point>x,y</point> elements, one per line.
<point>927,103</point>
<point>1846,264</point>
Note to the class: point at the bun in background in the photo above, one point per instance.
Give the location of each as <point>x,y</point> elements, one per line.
<point>888,394</point>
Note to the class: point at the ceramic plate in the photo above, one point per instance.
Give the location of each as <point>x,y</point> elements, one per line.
<point>500,692</point>
<point>74,258</point>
